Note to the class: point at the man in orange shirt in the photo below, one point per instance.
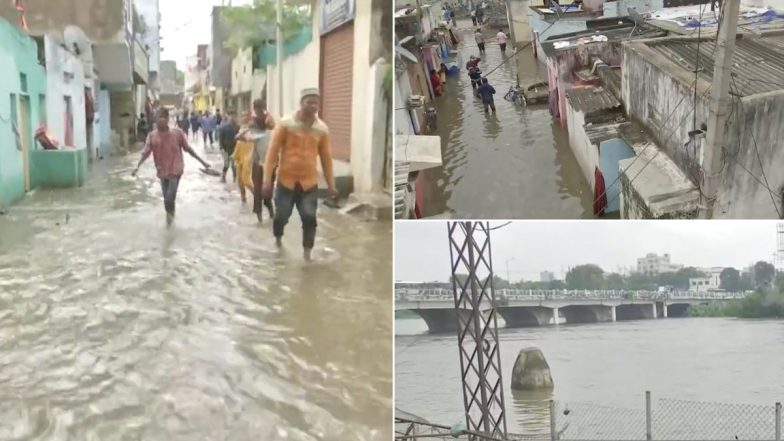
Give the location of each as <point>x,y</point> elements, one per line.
<point>297,142</point>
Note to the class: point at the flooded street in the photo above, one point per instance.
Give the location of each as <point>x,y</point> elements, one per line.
<point>113,327</point>
<point>514,165</point>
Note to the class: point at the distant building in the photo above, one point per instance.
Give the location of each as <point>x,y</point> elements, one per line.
<point>546,276</point>
<point>653,264</point>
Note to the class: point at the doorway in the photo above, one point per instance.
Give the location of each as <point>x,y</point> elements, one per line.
<point>69,127</point>
<point>25,131</point>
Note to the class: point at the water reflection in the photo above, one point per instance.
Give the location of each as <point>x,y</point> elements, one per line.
<point>531,410</point>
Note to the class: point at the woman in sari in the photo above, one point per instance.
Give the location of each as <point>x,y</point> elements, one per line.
<point>243,154</point>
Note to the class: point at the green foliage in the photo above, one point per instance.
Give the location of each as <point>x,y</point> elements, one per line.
<point>729,279</point>
<point>767,302</point>
<point>180,78</point>
<point>763,273</point>
<point>255,25</point>
<point>588,276</point>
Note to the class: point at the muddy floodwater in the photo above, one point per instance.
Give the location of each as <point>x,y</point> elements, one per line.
<point>114,327</point>
<point>516,164</point>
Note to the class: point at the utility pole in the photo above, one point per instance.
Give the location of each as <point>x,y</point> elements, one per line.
<point>719,106</point>
<point>477,328</point>
<point>279,54</point>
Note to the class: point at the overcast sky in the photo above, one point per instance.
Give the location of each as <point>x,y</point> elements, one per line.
<point>422,247</point>
<point>186,24</point>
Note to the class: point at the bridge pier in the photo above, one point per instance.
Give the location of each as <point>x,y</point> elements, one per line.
<point>653,308</point>
<point>441,321</point>
<point>525,316</point>
<point>664,309</point>
<point>587,313</point>
<point>613,314</point>
<point>556,316</point>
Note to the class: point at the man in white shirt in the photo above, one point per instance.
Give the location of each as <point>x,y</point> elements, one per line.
<point>473,16</point>
<point>501,38</point>
<point>480,40</point>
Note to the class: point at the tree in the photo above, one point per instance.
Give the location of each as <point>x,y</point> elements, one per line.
<point>180,78</point>
<point>640,282</point>
<point>763,273</point>
<point>588,276</point>
<point>614,281</point>
<point>729,279</point>
<point>255,25</point>
<point>745,283</point>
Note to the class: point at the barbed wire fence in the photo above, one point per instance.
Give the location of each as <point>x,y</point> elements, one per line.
<point>663,419</point>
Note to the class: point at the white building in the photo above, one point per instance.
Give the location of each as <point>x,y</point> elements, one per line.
<point>710,283</point>
<point>65,96</point>
<point>655,264</point>
<point>546,276</point>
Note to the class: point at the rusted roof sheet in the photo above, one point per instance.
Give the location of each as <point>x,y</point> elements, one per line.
<point>758,65</point>
<point>591,99</point>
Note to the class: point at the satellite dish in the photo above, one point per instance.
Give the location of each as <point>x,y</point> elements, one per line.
<point>77,42</point>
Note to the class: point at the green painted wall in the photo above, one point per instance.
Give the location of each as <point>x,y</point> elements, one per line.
<point>18,55</point>
<point>59,168</point>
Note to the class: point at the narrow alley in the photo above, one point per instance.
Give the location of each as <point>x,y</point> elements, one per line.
<point>517,164</point>
<point>113,326</point>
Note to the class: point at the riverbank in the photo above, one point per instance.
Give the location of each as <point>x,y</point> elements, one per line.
<point>765,303</point>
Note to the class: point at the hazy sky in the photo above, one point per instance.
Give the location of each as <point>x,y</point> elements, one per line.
<point>422,247</point>
<point>186,24</point>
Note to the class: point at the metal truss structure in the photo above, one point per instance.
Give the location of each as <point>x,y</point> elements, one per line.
<point>477,328</point>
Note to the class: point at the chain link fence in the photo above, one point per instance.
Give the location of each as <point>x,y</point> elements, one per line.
<point>666,419</point>
<point>662,419</point>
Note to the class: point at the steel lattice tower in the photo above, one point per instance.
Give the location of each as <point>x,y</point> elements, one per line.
<point>477,328</point>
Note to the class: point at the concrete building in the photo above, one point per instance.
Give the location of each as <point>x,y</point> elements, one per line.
<point>23,100</point>
<point>220,60</point>
<point>653,264</point>
<point>711,282</point>
<point>120,57</point>
<point>658,74</point>
<point>347,58</point>
<point>170,92</point>
<point>546,276</point>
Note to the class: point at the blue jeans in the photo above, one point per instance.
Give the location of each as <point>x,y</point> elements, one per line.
<point>169,186</point>
<point>307,204</point>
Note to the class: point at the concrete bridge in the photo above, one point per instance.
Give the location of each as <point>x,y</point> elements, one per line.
<point>524,308</point>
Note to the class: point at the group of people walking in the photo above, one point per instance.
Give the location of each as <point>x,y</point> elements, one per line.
<point>261,154</point>
<point>198,122</point>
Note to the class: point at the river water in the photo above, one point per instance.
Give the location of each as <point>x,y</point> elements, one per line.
<point>114,327</point>
<point>601,372</point>
<point>516,165</point>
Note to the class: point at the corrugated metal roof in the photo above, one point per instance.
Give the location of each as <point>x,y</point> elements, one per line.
<point>758,65</point>
<point>775,40</point>
<point>591,99</point>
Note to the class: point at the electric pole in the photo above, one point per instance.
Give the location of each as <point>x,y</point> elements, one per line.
<point>477,328</point>
<point>712,155</point>
<point>279,54</point>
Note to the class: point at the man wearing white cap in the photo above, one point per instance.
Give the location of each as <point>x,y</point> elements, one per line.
<point>297,142</point>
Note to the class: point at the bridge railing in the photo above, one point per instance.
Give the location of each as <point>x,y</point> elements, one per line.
<point>506,294</point>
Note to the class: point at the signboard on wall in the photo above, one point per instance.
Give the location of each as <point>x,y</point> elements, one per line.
<point>335,13</point>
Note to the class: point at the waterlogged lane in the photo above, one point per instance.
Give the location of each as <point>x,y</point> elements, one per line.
<point>516,165</point>
<point>114,327</point>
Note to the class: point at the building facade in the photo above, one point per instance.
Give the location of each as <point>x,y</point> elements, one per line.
<point>653,264</point>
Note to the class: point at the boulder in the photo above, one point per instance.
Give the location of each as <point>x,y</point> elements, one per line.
<point>531,371</point>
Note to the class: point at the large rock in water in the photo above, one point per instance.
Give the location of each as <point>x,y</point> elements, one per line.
<point>531,371</point>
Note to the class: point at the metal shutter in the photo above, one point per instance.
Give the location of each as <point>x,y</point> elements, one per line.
<point>337,88</point>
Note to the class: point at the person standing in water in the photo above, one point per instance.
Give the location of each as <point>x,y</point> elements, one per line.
<point>486,91</point>
<point>480,40</point>
<point>297,142</point>
<point>501,38</point>
<point>262,124</point>
<point>166,145</point>
<point>227,140</point>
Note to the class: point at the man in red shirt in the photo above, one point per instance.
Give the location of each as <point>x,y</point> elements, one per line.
<point>166,145</point>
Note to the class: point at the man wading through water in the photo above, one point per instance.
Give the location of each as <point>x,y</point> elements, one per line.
<point>296,143</point>
<point>259,132</point>
<point>166,145</point>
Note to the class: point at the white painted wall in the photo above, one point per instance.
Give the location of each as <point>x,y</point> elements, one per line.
<point>58,62</point>
<point>518,12</point>
<point>242,71</point>
<point>300,71</point>
<point>587,155</point>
